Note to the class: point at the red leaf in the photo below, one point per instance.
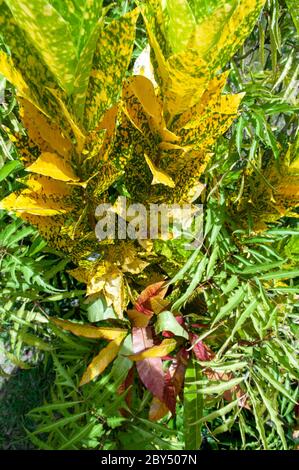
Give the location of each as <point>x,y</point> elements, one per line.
<point>178,369</point>
<point>149,370</point>
<point>169,395</point>
<point>167,334</point>
<point>143,303</point>
<point>201,351</point>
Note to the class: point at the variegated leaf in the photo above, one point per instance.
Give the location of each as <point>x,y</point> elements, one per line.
<point>111,60</point>
<point>50,35</point>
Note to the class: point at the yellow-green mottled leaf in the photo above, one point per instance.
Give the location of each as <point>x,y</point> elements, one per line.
<point>51,164</point>
<point>180,23</point>
<point>111,60</point>
<point>78,133</point>
<point>219,35</point>
<point>89,331</point>
<point>102,360</point>
<point>50,35</point>
<point>29,64</point>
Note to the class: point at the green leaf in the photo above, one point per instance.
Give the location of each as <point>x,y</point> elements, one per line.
<point>9,168</point>
<point>193,407</point>
<point>59,423</point>
<point>78,436</point>
<point>269,377</point>
<point>219,413</point>
<point>273,413</point>
<point>234,300</point>
<point>166,322</point>
<point>220,387</point>
<point>279,275</point>
<point>193,284</point>
<point>98,310</point>
<point>294,12</point>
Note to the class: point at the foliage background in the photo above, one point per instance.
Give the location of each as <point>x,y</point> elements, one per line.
<point>35,283</point>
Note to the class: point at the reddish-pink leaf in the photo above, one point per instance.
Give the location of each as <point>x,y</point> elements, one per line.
<point>169,396</point>
<point>201,351</point>
<point>178,369</point>
<point>149,370</point>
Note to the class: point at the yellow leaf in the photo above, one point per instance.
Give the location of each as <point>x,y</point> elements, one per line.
<point>160,350</point>
<point>109,279</point>
<point>89,331</point>
<point>159,176</point>
<point>51,164</point>
<point>9,71</point>
<point>32,203</point>
<point>102,360</point>
<point>143,89</point>
<point>42,130</point>
<point>138,319</point>
<point>81,274</point>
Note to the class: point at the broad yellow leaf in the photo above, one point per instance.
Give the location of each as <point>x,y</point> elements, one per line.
<point>102,360</point>
<point>32,203</point>
<point>160,350</point>
<point>89,331</point>
<point>51,164</point>
<point>159,176</point>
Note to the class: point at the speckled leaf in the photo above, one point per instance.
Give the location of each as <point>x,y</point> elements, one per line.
<point>41,130</point>
<point>28,62</point>
<point>219,35</point>
<point>111,59</point>
<point>8,70</point>
<point>180,23</point>
<point>32,203</point>
<point>50,35</point>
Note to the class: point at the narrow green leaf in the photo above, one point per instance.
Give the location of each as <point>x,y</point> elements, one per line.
<point>193,407</point>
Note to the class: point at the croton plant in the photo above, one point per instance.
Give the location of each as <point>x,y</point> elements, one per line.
<point>94,132</point>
